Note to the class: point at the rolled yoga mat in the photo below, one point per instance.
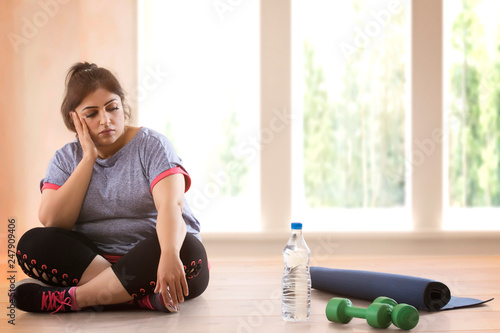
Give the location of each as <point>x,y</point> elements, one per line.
<point>424,294</point>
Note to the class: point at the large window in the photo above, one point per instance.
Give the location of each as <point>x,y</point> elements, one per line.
<point>199,85</point>
<point>472,113</point>
<point>350,79</point>
<point>361,122</point>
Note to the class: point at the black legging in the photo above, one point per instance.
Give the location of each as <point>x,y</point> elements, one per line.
<point>59,257</point>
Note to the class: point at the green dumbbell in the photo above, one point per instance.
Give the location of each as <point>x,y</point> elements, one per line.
<point>340,310</point>
<point>403,316</point>
<point>385,300</point>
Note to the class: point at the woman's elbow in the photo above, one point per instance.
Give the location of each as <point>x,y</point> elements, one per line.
<point>50,220</point>
<point>43,218</point>
<point>47,221</point>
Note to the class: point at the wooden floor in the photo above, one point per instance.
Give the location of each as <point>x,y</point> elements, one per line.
<point>244,296</point>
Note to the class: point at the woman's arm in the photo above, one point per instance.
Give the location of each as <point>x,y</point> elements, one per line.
<point>168,195</point>
<point>61,207</point>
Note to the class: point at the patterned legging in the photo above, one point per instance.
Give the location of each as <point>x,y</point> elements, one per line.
<point>59,257</point>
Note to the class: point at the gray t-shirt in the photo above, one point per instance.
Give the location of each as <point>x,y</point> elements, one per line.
<point>118,210</point>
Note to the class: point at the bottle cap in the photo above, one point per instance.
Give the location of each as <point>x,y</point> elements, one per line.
<point>296,226</point>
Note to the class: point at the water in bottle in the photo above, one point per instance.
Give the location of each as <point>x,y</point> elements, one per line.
<point>296,284</point>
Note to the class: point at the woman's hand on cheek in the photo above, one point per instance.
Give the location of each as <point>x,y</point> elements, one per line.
<point>88,146</point>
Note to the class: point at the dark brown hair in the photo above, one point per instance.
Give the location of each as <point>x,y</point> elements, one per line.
<point>83,79</point>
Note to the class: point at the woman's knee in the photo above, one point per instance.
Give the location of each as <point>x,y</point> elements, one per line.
<point>53,255</point>
<point>194,258</point>
<point>29,247</point>
<point>32,239</point>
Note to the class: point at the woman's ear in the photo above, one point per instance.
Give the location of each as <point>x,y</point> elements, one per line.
<point>127,114</point>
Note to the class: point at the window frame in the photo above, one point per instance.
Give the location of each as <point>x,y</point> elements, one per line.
<point>426,110</point>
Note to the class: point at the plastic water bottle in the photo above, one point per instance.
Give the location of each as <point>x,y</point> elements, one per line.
<point>296,284</point>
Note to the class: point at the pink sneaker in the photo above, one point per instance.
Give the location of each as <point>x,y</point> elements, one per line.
<point>156,302</point>
<point>37,297</point>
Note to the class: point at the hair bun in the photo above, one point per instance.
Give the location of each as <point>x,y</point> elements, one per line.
<point>80,67</point>
<point>91,67</point>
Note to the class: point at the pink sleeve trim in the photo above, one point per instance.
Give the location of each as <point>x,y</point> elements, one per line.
<point>50,186</point>
<point>172,171</point>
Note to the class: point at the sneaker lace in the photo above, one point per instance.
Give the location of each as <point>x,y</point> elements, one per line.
<point>55,301</point>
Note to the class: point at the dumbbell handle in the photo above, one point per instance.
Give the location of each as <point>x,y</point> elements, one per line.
<point>356,312</point>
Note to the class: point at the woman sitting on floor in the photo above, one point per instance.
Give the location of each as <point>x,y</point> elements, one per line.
<point>117,226</point>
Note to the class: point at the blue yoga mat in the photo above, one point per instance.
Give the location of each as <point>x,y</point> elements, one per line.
<point>424,294</point>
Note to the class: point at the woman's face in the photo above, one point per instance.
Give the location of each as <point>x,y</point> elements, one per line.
<point>103,113</point>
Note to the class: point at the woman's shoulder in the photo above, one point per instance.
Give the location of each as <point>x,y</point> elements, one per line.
<point>72,148</point>
<point>152,143</point>
<point>150,136</point>
<point>69,154</point>
<point>149,132</point>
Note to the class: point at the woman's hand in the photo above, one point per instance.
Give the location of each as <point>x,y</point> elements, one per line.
<point>88,145</point>
<point>171,278</point>
<point>61,208</point>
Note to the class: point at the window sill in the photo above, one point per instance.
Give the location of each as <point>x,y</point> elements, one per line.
<point>322,245</point>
